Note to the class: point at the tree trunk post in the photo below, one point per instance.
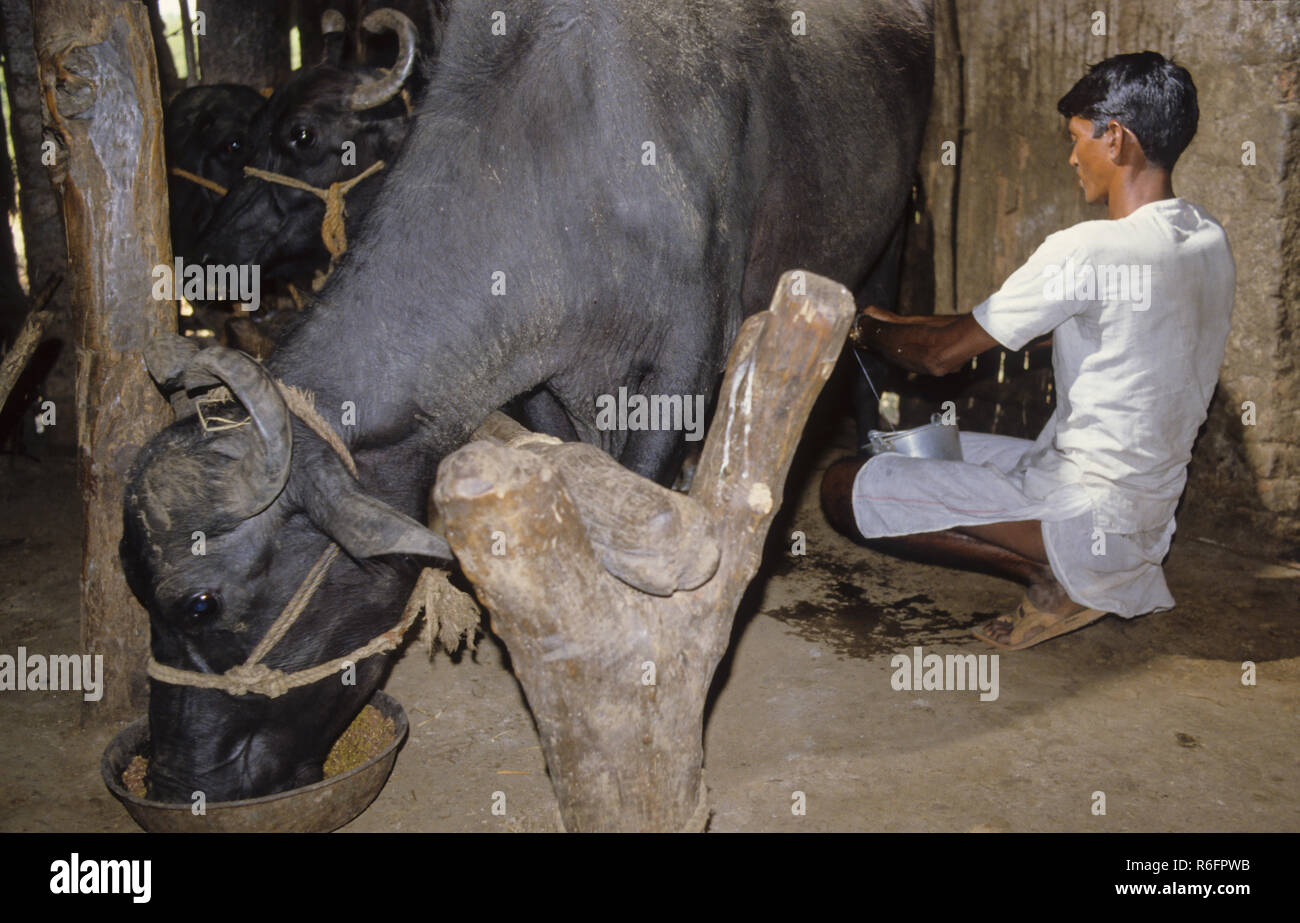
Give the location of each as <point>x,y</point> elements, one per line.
<point>100,88</point>
<point>562,544</point>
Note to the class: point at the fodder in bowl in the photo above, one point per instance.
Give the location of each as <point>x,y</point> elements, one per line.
<point>355,773</point>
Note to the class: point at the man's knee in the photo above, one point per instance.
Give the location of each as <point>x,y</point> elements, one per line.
<point>837,495</point>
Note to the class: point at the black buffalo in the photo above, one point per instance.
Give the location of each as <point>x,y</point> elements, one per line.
<point>778,143</point>
<point>205,134</point>
<point>327,124</point>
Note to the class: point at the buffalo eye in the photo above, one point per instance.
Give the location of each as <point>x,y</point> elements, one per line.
<point>234,147</point>
<point>302,136</point>
<point>203,606</point>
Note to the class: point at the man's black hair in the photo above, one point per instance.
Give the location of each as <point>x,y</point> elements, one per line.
<point>1148,94</point>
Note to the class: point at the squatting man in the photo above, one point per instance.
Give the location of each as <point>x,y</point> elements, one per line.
<point>1084,514</point>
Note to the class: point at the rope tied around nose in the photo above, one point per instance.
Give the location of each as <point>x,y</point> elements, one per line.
<point>449,612</point>
<point>201,181</point>
<point>332,230</point>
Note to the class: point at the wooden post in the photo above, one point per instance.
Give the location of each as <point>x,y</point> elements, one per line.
<point>100,88</point>
<point>245,41</point>
<point>603,584</point>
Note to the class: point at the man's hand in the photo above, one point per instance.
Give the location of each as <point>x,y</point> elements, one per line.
<point>864,332</point>
<point>931,345</point>
<point>889,317</point>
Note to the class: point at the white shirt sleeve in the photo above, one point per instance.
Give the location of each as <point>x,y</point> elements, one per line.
<point>1038,297</point>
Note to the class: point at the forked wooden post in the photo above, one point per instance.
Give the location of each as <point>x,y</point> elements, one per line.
<point>603,585</point>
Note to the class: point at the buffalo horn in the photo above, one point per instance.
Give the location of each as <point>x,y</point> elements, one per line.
<point>373,93</point>
<point>264,468</point>
<point>332,29</point>
<point>332,21</point>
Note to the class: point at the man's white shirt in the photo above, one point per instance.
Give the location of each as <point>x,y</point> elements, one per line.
<point>1139,309</point>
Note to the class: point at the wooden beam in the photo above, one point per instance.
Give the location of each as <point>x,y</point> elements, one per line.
<point>100,86</point>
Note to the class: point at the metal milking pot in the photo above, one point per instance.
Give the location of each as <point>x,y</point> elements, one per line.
<point>935,439</point>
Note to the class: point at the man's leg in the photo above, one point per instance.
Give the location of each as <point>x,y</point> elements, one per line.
<point>1011,550</point>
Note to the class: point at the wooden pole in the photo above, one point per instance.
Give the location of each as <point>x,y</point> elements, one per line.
<point>15,360</point>
<point>615,596</point>
<point>191,45</point>
<point>100,87</point>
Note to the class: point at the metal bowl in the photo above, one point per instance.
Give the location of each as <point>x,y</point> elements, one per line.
<point>317,808</point>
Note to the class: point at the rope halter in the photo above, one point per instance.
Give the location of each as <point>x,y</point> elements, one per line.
<point>199,180</point>
<point>332,231</point>
<point>256,677</point>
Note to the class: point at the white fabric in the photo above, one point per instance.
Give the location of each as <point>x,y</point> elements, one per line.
<point>1133,380</point>
<point>1139,308</point>
<point>897,495</point>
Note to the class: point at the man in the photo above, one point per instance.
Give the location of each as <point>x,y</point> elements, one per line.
<point>1139,307</point>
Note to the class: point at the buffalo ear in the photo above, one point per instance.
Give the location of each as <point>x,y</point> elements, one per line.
<point>386,134</point>
<point>365,526</point>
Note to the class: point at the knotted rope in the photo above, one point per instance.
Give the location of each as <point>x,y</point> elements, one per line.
<point>332,231</point>
<point>302,404</point>
<point>449,612</point>
<point>195,178</point>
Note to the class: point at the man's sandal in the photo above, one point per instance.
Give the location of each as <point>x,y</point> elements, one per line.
<point>1031,625</point>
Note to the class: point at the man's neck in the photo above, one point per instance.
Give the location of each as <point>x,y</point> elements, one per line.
<point>1131,192</point>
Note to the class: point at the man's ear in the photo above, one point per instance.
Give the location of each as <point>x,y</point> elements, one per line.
<point>1117,136</point>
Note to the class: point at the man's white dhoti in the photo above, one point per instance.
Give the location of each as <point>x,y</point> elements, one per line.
<point>1115,572</point>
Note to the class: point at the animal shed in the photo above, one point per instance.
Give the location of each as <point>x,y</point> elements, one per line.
<point>796,707</point>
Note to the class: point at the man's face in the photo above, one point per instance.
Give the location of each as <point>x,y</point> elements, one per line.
<point>1090,158</point>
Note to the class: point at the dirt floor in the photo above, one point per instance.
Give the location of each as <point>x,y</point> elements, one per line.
<point>1151,712</point>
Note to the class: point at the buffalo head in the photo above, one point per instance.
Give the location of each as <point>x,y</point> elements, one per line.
<point>222,522</point>
<point>325,125</point>
<point>206,134</point>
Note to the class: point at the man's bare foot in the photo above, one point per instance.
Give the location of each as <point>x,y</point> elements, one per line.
<point>1030,625</point>
<point>1049,596</point>
<point>1047,599</point>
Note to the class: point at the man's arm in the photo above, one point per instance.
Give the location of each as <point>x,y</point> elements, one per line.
<point>933,345</point>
